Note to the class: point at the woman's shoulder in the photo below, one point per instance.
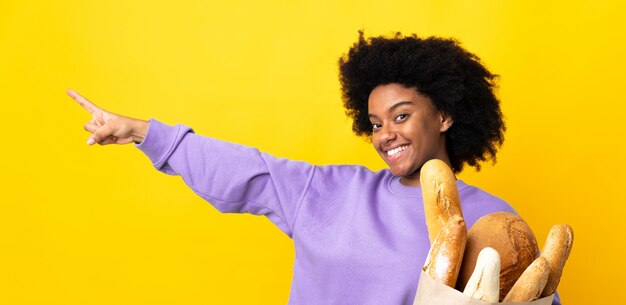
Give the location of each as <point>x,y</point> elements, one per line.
<point>477,202</point>
<point>473,193</point>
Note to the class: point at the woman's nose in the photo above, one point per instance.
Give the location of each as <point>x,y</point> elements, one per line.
<point>388,134</point>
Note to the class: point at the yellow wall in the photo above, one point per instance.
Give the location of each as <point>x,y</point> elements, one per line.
<point>98,225</point>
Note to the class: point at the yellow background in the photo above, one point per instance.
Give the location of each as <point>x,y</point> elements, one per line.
<point>98,225</point>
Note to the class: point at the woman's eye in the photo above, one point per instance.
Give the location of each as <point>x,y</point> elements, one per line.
<point>401,117</point>
<point>375,126</point>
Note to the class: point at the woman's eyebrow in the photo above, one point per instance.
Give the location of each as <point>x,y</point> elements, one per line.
<point>392,108</point>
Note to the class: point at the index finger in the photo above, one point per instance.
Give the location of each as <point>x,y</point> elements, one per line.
<point>89,106</point>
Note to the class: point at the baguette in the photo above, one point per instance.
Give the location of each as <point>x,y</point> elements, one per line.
<point>446,253</point>
<point>556,250</point>
<point>484,284</point>
<point>440,194</point>
<point>531,283</point>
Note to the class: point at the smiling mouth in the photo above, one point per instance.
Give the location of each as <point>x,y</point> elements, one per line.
<point>393,154</point>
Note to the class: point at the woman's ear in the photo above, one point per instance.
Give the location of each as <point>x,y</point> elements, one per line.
<point>446,122</point>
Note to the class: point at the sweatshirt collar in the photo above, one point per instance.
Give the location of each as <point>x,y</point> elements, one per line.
<point>412,191</point>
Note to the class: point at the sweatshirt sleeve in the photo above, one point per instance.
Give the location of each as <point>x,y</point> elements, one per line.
<point>233,178</point>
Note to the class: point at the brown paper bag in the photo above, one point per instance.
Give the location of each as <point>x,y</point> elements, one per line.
<point>431,292</point>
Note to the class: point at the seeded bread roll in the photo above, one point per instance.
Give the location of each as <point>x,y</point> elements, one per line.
<point>556,250</point>
<point>440,194</point>
<point>508,234</point>
<point>446,253</point>
<point>531,283</point>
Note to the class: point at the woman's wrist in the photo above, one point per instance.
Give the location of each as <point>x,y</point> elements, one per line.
<point>140,130</point>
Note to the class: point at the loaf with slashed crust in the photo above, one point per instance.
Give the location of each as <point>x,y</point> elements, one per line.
<point>446,253</point>
<point>556,250</point>
<point>440,195</point>
<point>531,283</point>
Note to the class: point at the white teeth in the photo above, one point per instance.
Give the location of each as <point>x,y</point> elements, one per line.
<point>396,150</point>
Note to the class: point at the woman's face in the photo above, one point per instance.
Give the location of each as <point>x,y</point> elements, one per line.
<point>407,130</point>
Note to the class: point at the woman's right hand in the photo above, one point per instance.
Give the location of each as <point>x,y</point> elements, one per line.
<point>109,128</point>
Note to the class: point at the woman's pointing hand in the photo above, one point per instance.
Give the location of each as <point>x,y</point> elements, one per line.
<point>110,128</point>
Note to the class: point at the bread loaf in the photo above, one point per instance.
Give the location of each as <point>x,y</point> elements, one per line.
<point>484,284</point>
<point>508,234</point>
<point>531,283</point>
<point>556,250</point>
<point>446,253</point>
<point>440,194</point>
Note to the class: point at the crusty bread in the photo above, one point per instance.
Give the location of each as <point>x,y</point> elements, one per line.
<point>556,250</point>
<point>440,194</point>
<point>531,283</point>
<point>508,234</point>
<point>446,253</point>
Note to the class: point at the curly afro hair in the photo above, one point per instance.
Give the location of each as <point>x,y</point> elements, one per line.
<point>454,79</point>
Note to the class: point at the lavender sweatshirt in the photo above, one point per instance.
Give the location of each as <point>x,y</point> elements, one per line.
<point>360,236</point>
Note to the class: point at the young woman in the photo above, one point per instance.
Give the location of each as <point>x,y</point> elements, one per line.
<point>360,236</point>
